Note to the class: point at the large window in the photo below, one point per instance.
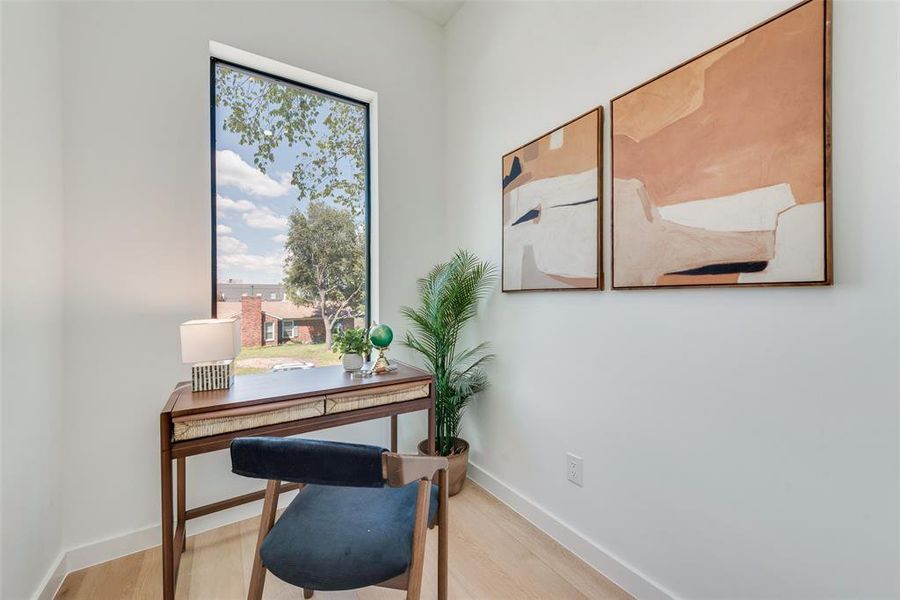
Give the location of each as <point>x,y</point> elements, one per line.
<point>290,191</point>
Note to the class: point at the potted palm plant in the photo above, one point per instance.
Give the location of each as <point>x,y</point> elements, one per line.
<point>449,298</point>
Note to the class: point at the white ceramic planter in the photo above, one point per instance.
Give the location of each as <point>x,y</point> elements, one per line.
<point>352,362</point>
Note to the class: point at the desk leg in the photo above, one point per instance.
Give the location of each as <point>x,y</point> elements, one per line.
<point>181,509</point>
<point>168,566</point>
<point>393,433</point>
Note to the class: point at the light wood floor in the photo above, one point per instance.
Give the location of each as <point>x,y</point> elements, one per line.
<point>494,554</point>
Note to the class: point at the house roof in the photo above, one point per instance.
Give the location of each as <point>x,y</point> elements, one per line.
<point>288,310</point>
<point>279,310</point>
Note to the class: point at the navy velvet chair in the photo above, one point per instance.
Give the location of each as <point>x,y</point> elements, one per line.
<point>359,518</point>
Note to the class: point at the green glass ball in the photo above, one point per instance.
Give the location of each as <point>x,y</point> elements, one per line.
<point>381,336</point>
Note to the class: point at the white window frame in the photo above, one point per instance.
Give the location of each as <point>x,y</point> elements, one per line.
<point>302,76</point>
<point>269,326</point>
<point>293,328</point>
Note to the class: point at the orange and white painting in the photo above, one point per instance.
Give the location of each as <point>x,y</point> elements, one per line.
<point>720,167</point>
<point>551,195</point>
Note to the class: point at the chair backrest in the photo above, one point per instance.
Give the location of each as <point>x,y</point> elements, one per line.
<point>308,461</point>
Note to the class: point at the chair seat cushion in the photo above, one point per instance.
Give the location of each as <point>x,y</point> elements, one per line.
<point>342,538</point>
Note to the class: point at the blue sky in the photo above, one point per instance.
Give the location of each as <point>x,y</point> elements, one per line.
<point>252,208</point>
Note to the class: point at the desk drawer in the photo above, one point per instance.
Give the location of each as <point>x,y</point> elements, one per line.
<point>191,427</point>
<point>391,394</point>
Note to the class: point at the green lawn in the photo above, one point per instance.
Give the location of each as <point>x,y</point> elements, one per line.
<point>261,359</point>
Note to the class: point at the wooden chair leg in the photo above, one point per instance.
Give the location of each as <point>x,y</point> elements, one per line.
<point>443,533</point>
<point>258,573</point>
<point>414,585</point>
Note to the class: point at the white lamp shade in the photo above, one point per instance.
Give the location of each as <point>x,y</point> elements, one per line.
<point>206,340</point>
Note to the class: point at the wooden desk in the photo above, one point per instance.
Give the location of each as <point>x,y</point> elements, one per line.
<point>275,404</point>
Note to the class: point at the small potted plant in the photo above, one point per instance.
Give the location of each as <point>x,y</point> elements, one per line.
<point>449,298</point>
<point>352,344</point>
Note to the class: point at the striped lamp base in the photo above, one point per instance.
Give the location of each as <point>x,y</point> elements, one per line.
<point>218,375</point>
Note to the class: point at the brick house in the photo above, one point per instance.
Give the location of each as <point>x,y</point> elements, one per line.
<point>265,323</point>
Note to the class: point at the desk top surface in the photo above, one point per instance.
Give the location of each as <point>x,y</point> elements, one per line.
<point>285,385</point>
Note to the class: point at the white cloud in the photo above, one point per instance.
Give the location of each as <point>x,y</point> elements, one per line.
<point>223,229</point>
<point>227,245</point>
<point>270,263</point>
<point>280,238</point>
<point>257,217</point>
<point>264,218</point>
<point>224,203</point>
<point>232,170</point>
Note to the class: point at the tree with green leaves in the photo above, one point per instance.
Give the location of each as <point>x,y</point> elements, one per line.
<point>329,134</point>
<point>324,264</point>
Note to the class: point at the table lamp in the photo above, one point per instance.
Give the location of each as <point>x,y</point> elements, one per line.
<point>211,345</point>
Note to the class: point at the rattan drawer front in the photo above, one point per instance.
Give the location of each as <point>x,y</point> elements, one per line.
<point>225,421</point>
<point>384,395</point>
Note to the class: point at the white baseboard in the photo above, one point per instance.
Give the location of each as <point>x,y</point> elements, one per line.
<point>622,574</point>
<point>53,579</point>
<point>101,551</point>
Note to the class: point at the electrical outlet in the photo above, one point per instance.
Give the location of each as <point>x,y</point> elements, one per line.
<point>574,469</point>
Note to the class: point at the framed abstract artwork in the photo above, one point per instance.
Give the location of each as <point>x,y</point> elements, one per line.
<point>721,166</point>
<point>552,209</point>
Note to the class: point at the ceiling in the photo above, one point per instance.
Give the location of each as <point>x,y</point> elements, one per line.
<point>436,11</point>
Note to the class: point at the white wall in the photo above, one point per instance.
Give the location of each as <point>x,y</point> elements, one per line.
<point>737,443</point>
<point>31,252</point>
<point>136,115</point>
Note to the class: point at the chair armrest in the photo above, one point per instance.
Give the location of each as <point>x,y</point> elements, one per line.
<point>401,469</point>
